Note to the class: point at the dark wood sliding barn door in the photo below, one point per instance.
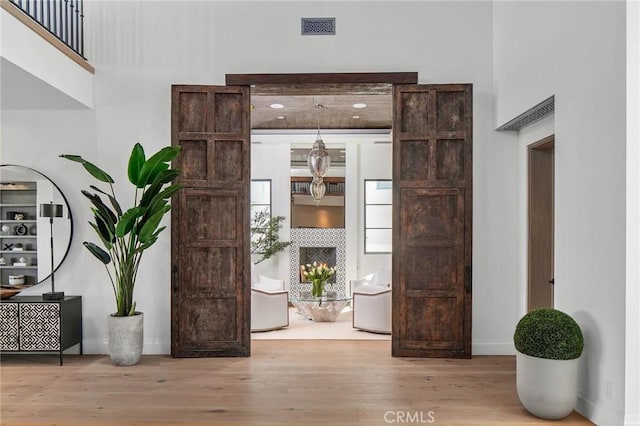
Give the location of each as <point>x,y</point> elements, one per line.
<point>432,160</point>
<point>210,222</point>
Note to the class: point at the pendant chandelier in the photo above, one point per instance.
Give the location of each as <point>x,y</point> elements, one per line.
<point>319,162</point>
<point>318,189</point>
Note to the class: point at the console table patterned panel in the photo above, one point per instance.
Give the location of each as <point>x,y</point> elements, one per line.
<point>30,324</point>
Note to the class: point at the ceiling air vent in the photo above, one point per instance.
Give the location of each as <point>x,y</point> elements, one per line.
<point>318,26</point>
<point>531,116</point>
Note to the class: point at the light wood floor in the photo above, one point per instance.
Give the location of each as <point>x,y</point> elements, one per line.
<point>283,382</point>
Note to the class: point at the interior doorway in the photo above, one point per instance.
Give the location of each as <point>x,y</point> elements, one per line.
<point>541,223</point>
<point>432,214</point>
<point>354,122</point>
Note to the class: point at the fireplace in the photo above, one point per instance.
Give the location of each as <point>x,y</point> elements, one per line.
<point>327,255</point>
<point>324,245</point>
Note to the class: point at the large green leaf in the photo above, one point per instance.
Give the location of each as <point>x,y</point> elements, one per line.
<point>107,244</point>
<point>105,232</point>
<point>107,213</point>
<point>114,202</point>
<point>167,192</point>
<point>150,211</point>
<point>156,171</point>
<point>110,227</point>
<point>152,190</point>
<point>136,160</point>
<point>148,244</point>
<point>156,164</point>
<point>149,228</point>
<point>155,208</point>
<point>166,176</point>
<point>98,252</point>
<point>94,170</point>
<point>71,157</point>
<point>128,220</point>
<point>160,200</point>
<point>152,239</point>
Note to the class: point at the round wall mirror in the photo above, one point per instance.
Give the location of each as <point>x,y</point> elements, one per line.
<point>28,233</point>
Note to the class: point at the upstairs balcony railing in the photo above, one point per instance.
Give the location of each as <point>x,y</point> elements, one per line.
<point>62,18</point>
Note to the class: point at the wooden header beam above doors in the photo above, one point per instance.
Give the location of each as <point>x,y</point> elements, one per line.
<point>336,91</point>
<point>322,78</point>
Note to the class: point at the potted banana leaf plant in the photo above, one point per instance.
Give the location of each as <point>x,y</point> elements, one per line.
<point>125,234</point>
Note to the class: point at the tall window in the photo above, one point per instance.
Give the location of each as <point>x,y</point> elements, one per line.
<point>260,196</point>
<point>378,196</point>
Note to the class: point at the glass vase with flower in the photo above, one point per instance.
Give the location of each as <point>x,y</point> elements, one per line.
<point>318,274</point>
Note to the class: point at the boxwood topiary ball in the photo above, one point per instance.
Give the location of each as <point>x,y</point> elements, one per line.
<point>549,333</point>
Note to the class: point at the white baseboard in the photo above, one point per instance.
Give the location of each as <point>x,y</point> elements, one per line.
<point>634,421</point>
<point>599,412</point>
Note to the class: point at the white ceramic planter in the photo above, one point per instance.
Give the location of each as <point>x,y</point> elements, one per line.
<point>125,338</point>
<point>547,388</point>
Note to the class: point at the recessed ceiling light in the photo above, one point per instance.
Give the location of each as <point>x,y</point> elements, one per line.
<point>355,116</point>
<point>359,105</point>
<point>276,106</point>
<point>342,151</point>
<point>280,117</point>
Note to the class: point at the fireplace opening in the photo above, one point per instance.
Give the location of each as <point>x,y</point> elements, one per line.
<point>327,255</point>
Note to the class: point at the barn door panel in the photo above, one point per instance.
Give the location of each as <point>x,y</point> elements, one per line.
<point>432,151</point>
<point>210,222</point>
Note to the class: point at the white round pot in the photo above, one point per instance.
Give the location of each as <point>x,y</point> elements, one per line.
<point>547,388</point>
<point>125,338</point>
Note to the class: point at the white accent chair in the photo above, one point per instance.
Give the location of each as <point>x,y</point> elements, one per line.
<point>367,279</point>
<point>372,305</point>
<point>269,304</point>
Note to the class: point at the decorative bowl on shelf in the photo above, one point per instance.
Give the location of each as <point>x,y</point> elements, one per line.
<point>16,279</point>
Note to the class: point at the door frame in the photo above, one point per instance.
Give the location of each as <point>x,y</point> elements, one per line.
<point>540,199</point>
<point>321,78</point>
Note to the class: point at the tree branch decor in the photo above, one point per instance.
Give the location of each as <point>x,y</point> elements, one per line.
<point>265,238</point>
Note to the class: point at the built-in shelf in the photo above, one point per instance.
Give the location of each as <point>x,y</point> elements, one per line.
<point>328,212</point>
<point>302,186</point>
<point>18,267</point>
<point>18,217</point>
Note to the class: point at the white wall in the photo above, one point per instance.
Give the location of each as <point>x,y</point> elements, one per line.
<point>632,356</point>
<point>140,48</point>
<point>272,161</point>
<point>576,51</point>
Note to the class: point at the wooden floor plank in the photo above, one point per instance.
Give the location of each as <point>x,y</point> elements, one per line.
<point>283,382</point>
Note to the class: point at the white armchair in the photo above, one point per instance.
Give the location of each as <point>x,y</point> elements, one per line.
<point>269,304</point>
<point>368,279</point>
<point>372,303</point>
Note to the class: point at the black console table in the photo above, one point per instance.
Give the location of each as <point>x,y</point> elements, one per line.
<point>31,324</point>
